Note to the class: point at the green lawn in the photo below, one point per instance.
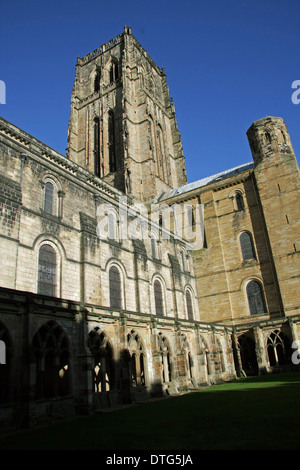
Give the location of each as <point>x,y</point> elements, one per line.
<point>255,413</point>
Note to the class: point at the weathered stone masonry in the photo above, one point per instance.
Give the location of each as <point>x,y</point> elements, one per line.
<point>90,322</point>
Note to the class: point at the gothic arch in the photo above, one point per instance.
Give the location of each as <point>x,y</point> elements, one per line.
<point>246,345</point>
<point>138,363</point>
<point>50,351</point>
<point>113,69</point>
<point>278,347</point>
<point>166,358</point>
<point>103,361</point>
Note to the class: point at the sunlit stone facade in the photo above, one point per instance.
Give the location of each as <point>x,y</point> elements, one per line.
<point>120,281</point>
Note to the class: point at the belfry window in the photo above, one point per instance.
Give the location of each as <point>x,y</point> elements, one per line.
<point>97,81</point>
<point>247,246</point>
<point>267,137</point>
<point>47,271</point>
<point>255,298</point>
<point>111,142</point>
<point>48,198</point>
<point>114,72</point>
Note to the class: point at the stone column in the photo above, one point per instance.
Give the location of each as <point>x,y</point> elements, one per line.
<point>236,354</point>
<point>84,392</point>
<point>262,360</point>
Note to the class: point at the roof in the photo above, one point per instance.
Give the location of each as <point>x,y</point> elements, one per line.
<point>209,179</point>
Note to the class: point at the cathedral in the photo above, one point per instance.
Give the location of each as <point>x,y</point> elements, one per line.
<point>120,280</point>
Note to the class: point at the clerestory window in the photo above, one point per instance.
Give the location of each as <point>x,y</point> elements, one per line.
<point>247,247</point>
<point>255,298</point>
<point>158,297</point>
<point>48,198</point>
<point>47,271</point>
<point>115,288</point>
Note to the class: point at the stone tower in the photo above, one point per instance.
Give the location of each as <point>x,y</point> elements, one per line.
<point>122,125</point>
<point>278,183</point>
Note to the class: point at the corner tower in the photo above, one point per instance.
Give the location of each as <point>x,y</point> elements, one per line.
<point>122,125</point>
<point>278,184</point>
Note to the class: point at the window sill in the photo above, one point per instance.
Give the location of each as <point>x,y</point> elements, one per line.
<point>52,217</point>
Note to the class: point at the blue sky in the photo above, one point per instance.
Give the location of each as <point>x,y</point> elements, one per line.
<point>227,63</point>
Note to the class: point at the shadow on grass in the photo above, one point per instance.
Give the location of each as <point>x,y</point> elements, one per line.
<point>255,413</point>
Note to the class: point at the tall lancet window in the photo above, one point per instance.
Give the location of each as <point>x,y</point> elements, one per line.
<point>96,147</point>
<point>48,199</point>
<point>111,142</point>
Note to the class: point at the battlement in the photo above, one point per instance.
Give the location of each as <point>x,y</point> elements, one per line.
<point>114,42</point>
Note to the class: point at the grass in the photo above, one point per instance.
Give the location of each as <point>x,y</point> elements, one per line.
<point>260,413</point>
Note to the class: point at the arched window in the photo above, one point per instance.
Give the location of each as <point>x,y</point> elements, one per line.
<point>115,288</point>
<point>47,271</point>
<point>158,296</point>
<point>137,360</point>
<point>52,196</point>
<point>189,305</point>
<point>255,298</point>
<point>239,202</point>
<point>279,348</point>
<point>48,198</point>
<point>247,246</point>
